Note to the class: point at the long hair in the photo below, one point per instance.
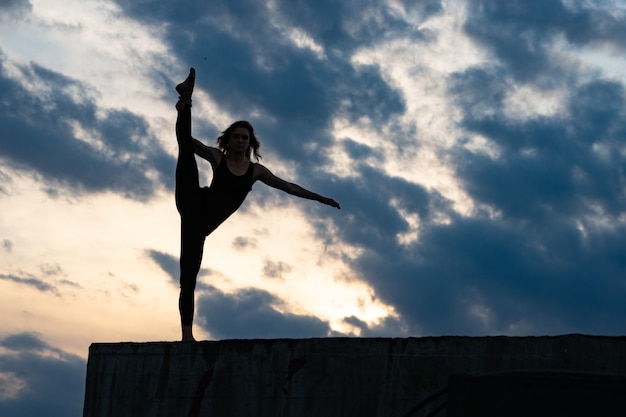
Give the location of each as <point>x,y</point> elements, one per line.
<point>224,139</point>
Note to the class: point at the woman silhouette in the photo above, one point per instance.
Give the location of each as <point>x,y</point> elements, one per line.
<point>203,209</point>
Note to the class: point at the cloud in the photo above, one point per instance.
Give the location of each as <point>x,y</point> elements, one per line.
<point>4,179</point>
<point>522,33</point>
<point>539,252</point>
<point>66,141</point>
<point>253,313</point>
<point>246,313</point>
<point>372,200</point>
<point>39,379</point>
<point>275,269</point>
<point>51,269</point>
<point>7,245</point>
<point>14,9</point>
<point>30,281</point>
<point>168,263</point>
<point>556,185</point>
<point>241,243</point>
<point>388,327</point>
<point>24,341</point>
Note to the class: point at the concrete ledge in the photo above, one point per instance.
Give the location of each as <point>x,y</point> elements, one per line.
<point>318,377</point>
<point>537,394</point>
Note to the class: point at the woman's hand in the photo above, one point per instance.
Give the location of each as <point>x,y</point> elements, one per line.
<point>330,202</point>
<point>180,106</point>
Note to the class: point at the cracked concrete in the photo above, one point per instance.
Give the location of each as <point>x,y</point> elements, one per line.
<point>318,377</point>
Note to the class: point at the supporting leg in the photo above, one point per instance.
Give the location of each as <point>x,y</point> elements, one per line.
<point>192,245</point>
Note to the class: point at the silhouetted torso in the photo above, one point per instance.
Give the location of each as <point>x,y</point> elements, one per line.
<point>224,196</point>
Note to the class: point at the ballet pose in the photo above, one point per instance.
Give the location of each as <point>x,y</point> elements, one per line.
<point>203,209</point>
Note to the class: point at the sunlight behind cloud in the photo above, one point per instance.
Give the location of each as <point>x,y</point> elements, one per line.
<point>98,247</point>
<point>315,279</point>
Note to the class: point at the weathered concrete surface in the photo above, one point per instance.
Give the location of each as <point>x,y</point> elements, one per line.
<point>317,377</point>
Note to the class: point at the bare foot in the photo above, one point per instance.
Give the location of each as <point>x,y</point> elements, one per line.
<point>186,87</point>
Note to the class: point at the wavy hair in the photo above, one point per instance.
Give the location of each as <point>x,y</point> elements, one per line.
<point>224,139</point>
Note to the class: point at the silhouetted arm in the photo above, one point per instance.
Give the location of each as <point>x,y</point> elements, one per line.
<point>213,155</point>
<point>273,181</point>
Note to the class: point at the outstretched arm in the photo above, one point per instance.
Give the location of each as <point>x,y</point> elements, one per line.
<point>272,180</point>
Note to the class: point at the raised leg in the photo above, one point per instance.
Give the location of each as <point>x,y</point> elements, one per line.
<point>187,193</point>
<point>187,180</point>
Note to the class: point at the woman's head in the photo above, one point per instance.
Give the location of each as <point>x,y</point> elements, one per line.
<point>223,142</point>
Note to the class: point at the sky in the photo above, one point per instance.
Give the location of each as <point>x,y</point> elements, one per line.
<point>477,149</point>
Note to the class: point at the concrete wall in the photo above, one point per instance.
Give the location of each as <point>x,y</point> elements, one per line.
<point>317,377</point>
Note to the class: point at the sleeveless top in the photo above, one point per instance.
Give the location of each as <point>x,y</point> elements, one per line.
<point>225,194</point>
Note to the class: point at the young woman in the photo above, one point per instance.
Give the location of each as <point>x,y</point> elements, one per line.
<point>203,209</point>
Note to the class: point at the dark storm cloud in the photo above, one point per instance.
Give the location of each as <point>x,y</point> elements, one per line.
<point>39,379</point>
<point>371,200</point>
<point>530,269</point>
<point>345,25</point>
<point>521,33</point>
<point>527,281</point>
<point>549,180</point>
<point>549,261</point>
<point>36,135</point>
<point>340,25</point>
<point>30,281</point>
<point>563,164</point>
<point>251,313</point>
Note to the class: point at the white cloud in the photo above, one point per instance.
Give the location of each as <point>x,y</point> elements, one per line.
<point>298,36</point>
<point>413,146</point>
